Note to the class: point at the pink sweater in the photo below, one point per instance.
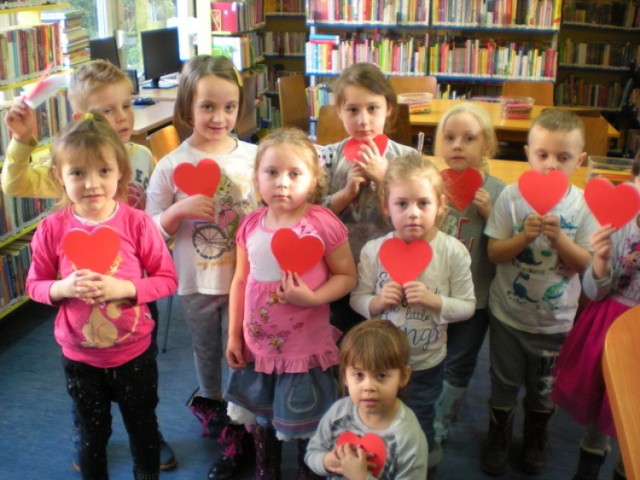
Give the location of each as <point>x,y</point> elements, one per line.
<point>113,333</point>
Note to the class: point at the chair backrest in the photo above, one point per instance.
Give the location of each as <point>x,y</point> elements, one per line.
<point>541,92</point>
<point>294,106</point>
<point>331,130</point>
<point>620,364</point>
<point>163,141</point>
<point>247,125</point>
<point>595,133</point>
<point>423,83</point>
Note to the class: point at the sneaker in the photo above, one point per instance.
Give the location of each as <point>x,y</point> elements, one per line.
<point>167,456</point>
<point>212,414</point>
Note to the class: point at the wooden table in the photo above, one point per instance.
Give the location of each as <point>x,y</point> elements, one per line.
<point>149,118</point>
<point>159,93</point>
<point>506,129</point>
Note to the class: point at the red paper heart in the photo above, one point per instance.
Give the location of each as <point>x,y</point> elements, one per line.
<point>352,147</point>
<point>295,254</point>
<point>202,178</point>
<point>405,262</point>
<point>96,250</point>
<point>462,186</point>
<point>370,443</point>
<point>543,192</point>
<point>612,205</point>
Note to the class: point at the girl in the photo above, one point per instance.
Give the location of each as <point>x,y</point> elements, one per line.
<point>465,138</point>
<point>365,100</point>
<point>414,198</point>
<point>374,364</point>
<point>208,101</point>
<point>103,323</point>
<point>281,344</point>
<point>612,283</point>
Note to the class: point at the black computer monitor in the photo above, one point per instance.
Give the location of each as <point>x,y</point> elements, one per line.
<point>160,55</point>
<point>105,49</point>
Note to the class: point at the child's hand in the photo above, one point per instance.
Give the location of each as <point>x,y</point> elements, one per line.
<point>373,165</point>
<point>21,121</point>
<point>234,355</point>
<point>331,462</point>
<point>355,180</point>
<point>482,201</point>
<point>417,293</point>
<point>551,228</point>
<point>198,207</point>
<point>602,248</point>
<point>98,288</point>
<point>293,290</point>
<point>532,227</point>
<point>68,287</point>
<point>353,462</point>
<point>390,295</point>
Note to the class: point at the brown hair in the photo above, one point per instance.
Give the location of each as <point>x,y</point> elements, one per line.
<point>486,127</point>
<point>374,345</point>
<point>198,67</point>
<point>92,76</point>
<point>558,120</point>
<point>86,138</point>
<point>635,167</point>
<point>297,140</point>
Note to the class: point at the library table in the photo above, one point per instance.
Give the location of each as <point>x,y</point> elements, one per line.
<point>506,129</point>
<point>150,117</point>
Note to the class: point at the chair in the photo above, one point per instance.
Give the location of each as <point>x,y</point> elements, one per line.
<point>294,105</point>
<point>163,141</point>
<point>541,92</point>
<point>620,364</point>
<point>423,83</point>
<point>596,139</point>
<point>331,130</point>
<point>246,124</point>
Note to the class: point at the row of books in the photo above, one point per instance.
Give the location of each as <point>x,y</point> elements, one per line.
<point>490,58</point>
<point>11,4</point>
<point>243,50</point>
<point>369,11</point>
<point>18,213</point>
<point>575,91</point>
<point>620,13</point>
<point>284,43</point>
<point>74,38</point>
<point>500,13</point>
<point>610,54</point>
<point>283,6</point>
<point>234,17</point>
<point>14,267</point>
<point>26,51</point>
<point>403,55</point>
<point>317,96</point>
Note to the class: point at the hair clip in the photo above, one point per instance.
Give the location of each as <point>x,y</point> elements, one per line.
<point>89,116</point>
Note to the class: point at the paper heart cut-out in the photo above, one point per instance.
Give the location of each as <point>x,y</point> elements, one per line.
<point>96,250</point>
<point>202,178</point>
<point>405,262</point>
<point>45,88</point>
<point>612,205</point>
<point>296,254</point>
<point>543,192</point>
<point>370,443</point>
<point>462,186</point>
<point>352,147</point>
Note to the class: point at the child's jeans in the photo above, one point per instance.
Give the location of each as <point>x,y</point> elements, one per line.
<point>464,341</point>
<point>423,391</point>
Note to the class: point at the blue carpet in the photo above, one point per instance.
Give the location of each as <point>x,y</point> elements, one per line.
<point>35,419</point>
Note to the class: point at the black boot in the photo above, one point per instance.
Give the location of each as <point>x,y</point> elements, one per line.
<point>304,472</point>
<point>167,456</point>
<point>589,465</point>
<point>534,455</point>
<point>212,414</point>
<point>495,452</point>
<point>237,455</point>
<point>268,454</point>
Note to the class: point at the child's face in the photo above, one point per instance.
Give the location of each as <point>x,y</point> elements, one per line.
<point>114,102</point>
<point>374,393</point>
<point>363,112</point>
<point>215,108</point>
<point>554,150</point>
<point>462,142</point>
<point>413,207</point>
<point>91,185</point>
<point>284,179</point>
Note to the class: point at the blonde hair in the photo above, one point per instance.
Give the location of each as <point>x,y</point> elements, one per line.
<point>374,345</point>
<point>92,76</point>
<point>86,139</point>
<point>297,140</point>
<point>558,120</point>
<point>413,166</point>
<point>195,69</point>
<point>486,127</point>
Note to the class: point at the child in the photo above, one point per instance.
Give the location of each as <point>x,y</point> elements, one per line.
<point>365,100</point>
<point>611,282</point>
<point>209,100</point>
<point>281,345</point>
<point>96,85</point>
<point>103,324</point>
<point>534,296</point>
<point>374,365</point>
<point>414,198</point>
<point>465,139</point>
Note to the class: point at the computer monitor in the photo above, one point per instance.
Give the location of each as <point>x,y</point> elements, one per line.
<point>160,55</point>
<point>104,49</point>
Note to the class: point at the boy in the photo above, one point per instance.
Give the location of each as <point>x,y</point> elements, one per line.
<point>96,85</point>
<point>534,295</point>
